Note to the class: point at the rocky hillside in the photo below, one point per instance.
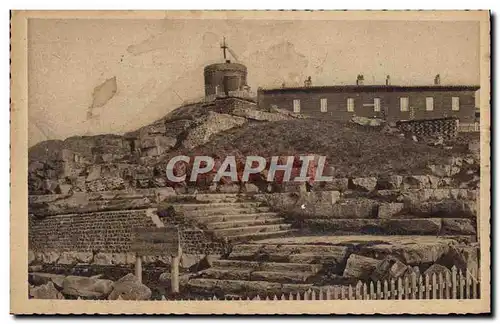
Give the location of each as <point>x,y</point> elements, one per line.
<point>351,149</point>
<point>226,126</point>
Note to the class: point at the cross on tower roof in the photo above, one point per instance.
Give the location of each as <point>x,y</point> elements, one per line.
<point>224,47</point>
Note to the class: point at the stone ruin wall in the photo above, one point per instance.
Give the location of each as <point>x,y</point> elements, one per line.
<point>103,238</point>
<point>445,127</point>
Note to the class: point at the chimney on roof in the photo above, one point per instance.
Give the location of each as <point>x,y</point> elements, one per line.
<point>388,80</point>
<point>360,80</point>
<point>437,79</point>
<point>308,82</point>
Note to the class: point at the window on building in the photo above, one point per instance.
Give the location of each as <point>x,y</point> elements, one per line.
<point>323,105</point>
<point>455,103</point>
<point>376,104</point>
<point>404,103</point>
<point>296,105</point>
<point>429,104</point>
<point>350,104</point>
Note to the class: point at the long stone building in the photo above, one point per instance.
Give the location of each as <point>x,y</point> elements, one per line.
<point>389,102</point>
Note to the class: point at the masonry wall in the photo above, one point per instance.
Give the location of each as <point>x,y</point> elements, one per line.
<point>363,103</point>
<point>446,127</point>
<point>108,232</point>
<point>228,105</point>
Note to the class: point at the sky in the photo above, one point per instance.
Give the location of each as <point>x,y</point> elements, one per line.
<point>159,63</point>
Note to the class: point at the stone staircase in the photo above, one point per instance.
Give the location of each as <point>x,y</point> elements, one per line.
<point>233,218</point>
<point>371,228</point>
<point>246,272</point>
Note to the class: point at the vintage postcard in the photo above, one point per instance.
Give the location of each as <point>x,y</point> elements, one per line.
<point>250,162</point>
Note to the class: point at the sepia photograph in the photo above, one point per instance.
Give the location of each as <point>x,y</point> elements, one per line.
<point>250,162</point>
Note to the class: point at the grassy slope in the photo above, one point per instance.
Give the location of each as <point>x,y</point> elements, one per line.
<point>352,150</point>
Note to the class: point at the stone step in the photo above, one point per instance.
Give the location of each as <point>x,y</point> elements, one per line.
<point>323,254</point>
<point>312,258</point>
<point>423,195</point>
<point>244,223</point>
<point>220,197</point>
<point>288,248</point>
<point>234,217</point>
<point>215,205</point>
<point>281,276</point>
<point>226,274</point>
<point>244,287</point>
<point>224,211</point>
<point>251,275</point>
<point>266,266</point>
<point>236,231</point>
<point>259,236</point>
<point>415,226</point>
<point>240,287</point>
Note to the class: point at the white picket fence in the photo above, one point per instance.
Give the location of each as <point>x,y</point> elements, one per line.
<point>454,285</point>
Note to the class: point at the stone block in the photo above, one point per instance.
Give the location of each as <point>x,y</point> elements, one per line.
<point>47,291</point>
<point>397,270</point>
<point>360,267</point>
<point>462,226</point>
<point>363,184</point>
<point>103,259</point>
<point>356,208</point>
<point>441,170</point>
<point>65,188</point>
<point>420,252</point>
<point>392,182</point>
<point>189,260</point>
<point>86,286</point>
<point>389,268</point>
<point>50,257</point>
<point>164,193</point>
<point>464,258</point>
<point>129,288</point>
<point>390,210</point>
<point>40,278</point>
<point>67,258</point>
<point>228,188</point>
<point>251,188</point>
<point>337,184</point>
<point>417,182</point>
<point>94,173</point>
<point>417,226</point>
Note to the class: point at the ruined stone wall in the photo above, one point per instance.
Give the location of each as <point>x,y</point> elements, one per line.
<point>108,232</point>
<point>227,105</point>
<point>194,240</point>
<point>446,127</point>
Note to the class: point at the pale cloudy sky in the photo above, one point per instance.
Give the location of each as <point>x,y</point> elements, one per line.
<point>159,63</point>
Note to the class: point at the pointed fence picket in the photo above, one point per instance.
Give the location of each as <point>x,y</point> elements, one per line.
<point>456,284</point>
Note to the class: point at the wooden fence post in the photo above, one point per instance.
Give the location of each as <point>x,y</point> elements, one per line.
<point>413,285</point>
<point>400,288</point>
<point>447,281</point>
<point>420,287</point>
<point>427,284</point>
<point>174,274</point>
<point>474,282</point>
<point>468,284</point>
<point>454,282</point>
<point>393,290</point>
<point>461,284</point>
<point>434,286</point>
<point>138,267</point>
<point>407,288</point>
